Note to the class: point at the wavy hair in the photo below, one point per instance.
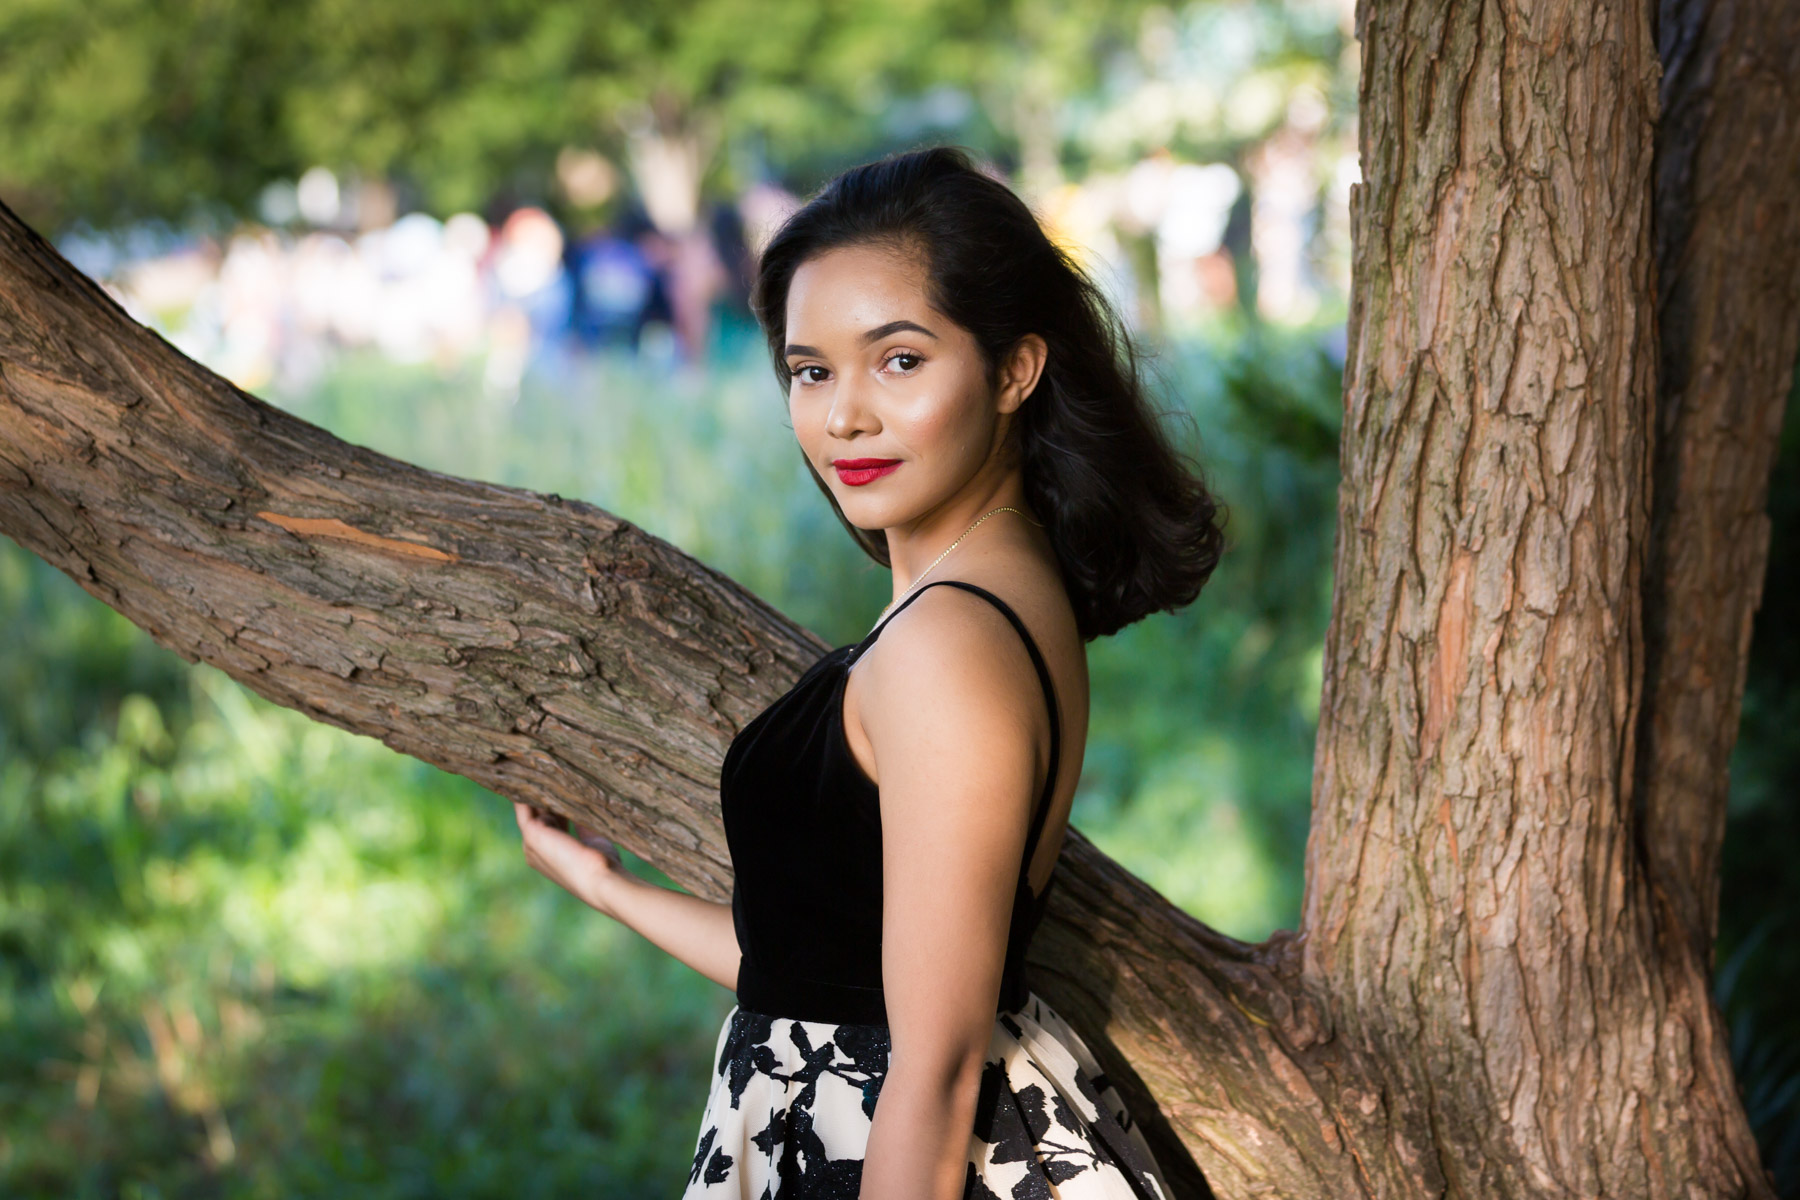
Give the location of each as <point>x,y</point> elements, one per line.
<point>1132,522</point>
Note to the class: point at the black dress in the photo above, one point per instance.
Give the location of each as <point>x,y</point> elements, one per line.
<point>801,1058</point>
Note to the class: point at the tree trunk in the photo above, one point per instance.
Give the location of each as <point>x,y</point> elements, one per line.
<point>668,147</point>
<point>1532,670</point>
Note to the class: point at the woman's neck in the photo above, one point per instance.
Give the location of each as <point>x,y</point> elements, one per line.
<point>928,547</point>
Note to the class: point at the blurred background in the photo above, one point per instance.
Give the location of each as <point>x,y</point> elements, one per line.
<point>242,954</point>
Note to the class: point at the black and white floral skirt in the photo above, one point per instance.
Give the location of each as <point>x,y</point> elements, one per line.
<point>791,1105</point>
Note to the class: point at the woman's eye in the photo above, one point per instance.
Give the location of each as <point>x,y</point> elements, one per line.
<point>913,358</point>
<point>802,375</point>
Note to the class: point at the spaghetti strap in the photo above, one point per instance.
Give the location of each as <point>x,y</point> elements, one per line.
<point>1043,672</point>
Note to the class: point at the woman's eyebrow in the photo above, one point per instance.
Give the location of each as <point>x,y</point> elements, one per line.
<point>881,331</point>
<point>873,335</point>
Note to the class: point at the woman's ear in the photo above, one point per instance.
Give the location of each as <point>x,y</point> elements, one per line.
<point>1020,373</point>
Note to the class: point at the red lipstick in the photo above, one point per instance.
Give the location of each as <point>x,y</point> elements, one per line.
<point>858,471</point>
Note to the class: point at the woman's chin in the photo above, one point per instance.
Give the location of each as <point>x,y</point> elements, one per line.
<point>867,516</point>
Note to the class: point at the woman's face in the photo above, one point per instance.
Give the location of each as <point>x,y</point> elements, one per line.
<point>880,375</point>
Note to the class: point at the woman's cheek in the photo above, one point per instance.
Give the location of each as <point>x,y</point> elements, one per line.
<point>932,429</point>
<point>962,441</point>
<point>808,423</point>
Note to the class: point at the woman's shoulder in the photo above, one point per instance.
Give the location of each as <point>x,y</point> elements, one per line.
<point>951,662</point>
<point>951,633</point>
<point>946,698</point>
<point>946,633</point>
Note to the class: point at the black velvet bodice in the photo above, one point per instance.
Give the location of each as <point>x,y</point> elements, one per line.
<point>803,823</point>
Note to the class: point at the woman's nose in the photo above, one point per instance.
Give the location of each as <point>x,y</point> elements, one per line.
<point>850,409</point>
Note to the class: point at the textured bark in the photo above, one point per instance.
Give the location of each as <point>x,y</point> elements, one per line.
<point>1532,670</point>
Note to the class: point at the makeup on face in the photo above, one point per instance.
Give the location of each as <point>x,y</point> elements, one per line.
<point>858,471</point>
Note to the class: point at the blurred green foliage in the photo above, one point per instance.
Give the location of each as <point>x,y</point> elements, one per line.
<point>116,110</point>
<point>245,954</point>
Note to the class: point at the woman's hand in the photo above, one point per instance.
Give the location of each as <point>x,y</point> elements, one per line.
<point>569,853</point>
<point>699,932</point>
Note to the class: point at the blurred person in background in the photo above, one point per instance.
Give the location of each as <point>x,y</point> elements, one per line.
<point>615,284</point>
<point>697,276</point>
<point>533,295</point>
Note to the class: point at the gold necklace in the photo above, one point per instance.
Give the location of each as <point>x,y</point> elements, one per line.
<point>940,558</point>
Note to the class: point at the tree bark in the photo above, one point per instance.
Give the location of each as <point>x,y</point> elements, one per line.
<point>1500,986</point>
<point>1472,901</point>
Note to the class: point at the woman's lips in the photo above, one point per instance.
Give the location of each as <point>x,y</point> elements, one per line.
<point>858,471</point>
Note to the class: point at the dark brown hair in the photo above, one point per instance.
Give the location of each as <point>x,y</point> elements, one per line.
<point>1133,524</point>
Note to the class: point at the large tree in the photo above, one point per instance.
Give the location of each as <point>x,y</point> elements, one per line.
<point>1575,314</point>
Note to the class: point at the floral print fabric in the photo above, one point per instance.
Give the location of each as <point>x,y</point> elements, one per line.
<point>792,1102</point>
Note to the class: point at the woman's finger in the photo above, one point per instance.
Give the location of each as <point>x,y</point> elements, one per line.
<point>525,814</point>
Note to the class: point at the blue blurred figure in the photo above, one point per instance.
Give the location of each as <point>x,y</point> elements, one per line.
<point>618,289</point>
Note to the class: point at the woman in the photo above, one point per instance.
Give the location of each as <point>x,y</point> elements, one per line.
<point>966,401</point>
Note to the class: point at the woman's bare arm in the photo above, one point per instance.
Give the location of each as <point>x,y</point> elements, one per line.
<point>698,932</point>
<point>955,720</point>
